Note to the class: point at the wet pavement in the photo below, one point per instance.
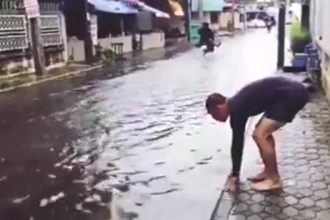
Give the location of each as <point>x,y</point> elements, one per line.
<point>112,145</point>
<point>304,162</point>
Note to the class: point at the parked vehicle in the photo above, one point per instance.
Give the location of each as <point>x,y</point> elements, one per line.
<point>256,19</point>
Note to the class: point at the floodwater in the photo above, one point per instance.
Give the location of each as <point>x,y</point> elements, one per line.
<point>137,146</point>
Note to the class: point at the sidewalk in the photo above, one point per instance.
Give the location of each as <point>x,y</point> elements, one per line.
<point>304,162</point>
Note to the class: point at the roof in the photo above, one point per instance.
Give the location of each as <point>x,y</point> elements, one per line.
<point>125,7</point>
<point>117,7</point>
<point>143,6</point>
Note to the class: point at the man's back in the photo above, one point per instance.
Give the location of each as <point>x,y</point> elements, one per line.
<point>206,34</point>
<point>258,96</point>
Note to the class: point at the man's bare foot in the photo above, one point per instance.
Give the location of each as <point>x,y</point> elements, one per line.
<point>232,184</point>
<point>267,185</point>
<point>260,177</point>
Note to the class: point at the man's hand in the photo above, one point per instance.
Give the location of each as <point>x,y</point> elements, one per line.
<point>232,183</point>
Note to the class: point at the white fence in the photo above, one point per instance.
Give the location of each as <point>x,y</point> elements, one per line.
<point>14,32</point>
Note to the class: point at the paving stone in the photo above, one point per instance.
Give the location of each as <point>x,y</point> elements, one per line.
<point>305,169</point>
<point>290,211</point>
<point>256,208</point>
<point>254,217</point>
<point>316,209</point>
<point>291,190</point>
<point>324,204</point>
<point>323,215</point>
<point>241,207</point>
<point>306,192</point>
<point>304,184</point>
<point>263,215</point>
<point>247,213</point>
<point>299,206</point>
<point>282,216</point>
<point>238,217</point>
<point>258,198</point>
<point>250,202</point>
<point>321,194</point>
<point>319,185</point>
<point>307,202</point>
<point>291,200</point>
<point>273,210</point>
<point>243,197</point>
<point>308,214</point>
<point>271,218</point>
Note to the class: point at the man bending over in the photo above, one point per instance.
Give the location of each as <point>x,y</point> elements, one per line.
<point>279,99</point>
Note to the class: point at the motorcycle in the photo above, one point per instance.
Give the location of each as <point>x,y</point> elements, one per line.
<point>210,45</point>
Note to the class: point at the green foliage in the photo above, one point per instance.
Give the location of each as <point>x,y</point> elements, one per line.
<point>299,37</point>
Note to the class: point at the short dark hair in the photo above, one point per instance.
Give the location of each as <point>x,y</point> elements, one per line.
<point>213,101</point>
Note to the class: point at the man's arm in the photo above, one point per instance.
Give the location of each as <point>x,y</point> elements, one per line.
<point>238,126</point>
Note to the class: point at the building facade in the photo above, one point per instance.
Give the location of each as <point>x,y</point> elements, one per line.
<point>211,10</point>
<point>320,31</point>
<point>15,36</point>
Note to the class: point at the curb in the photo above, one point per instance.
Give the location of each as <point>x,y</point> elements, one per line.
<point>224,206</point>
<point>72,73</point>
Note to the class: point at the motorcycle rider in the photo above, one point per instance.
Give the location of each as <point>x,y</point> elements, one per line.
<point>206,38</point>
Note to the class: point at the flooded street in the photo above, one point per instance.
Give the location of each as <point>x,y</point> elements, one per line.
<point>138,146</point>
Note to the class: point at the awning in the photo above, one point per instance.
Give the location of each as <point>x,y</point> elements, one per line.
<point>176,8</point>
<point>111,6</point>
<point>145,7</point>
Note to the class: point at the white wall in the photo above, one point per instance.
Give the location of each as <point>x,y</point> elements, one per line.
<point>320,25</point>
<point>153,40</point>
<point>76,50</point>
<point>225,17</point>
<point>320,30</point>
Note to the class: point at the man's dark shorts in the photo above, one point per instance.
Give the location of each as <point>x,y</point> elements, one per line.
<point>287,107</point>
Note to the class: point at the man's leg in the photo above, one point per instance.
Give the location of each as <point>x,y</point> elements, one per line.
<point>265,141</point>
<point>262,175</point>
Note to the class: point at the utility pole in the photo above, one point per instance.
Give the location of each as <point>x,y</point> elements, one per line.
<point>33,13</point>
<point>281,37</point>
<point>233,14</point>
<point>200,11</point>
<point>244,14</point>
<point>88,43</point>
<point>37,47</point>
<point>188,18</point>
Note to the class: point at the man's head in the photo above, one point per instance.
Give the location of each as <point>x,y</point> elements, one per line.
<point>205,25</point>
<point>217,106</point>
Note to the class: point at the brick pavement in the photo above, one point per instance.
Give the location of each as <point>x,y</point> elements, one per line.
<point>304,162</point>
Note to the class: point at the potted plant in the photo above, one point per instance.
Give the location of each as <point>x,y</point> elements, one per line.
<point>299,38</point>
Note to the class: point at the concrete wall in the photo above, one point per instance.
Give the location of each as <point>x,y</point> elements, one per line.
<point>153,40</point>
<point>225,17</point>
<point>76,50</point>
<point>320,30</point>
<point>127,42</point>
<point>178,23</point>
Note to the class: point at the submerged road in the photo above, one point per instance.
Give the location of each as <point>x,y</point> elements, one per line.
<point>138,146</point>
